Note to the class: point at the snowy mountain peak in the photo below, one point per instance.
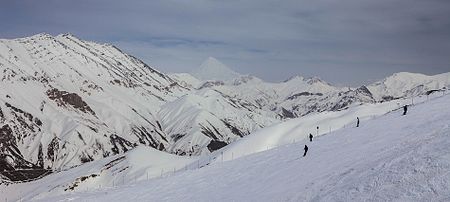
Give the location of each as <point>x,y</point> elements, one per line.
<point>39,36</point>
<point>67,35</point>
<point>314,80</point>
<point>213,69</point>
<point>246,79</point>
<point>405,84</point>
<point>294,78</point>
<point>299,80</point>
<point>404,76</point>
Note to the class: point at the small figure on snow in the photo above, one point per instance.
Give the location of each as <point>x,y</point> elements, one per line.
<point>310,137</point>
<point>306,150</point>
<point>405,109</point>
<point>357,121</point>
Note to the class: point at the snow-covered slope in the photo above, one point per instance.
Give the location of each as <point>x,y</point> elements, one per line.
<point>213,69</point>
<point>406,84</point>
<point>141,163</point>
<point>207,120</point>
<point>297,129</point>
<point>64,101</point>
<point>187,80</point>
<point>391,157</point>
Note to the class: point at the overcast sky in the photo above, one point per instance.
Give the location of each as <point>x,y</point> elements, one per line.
<point>345,42</point>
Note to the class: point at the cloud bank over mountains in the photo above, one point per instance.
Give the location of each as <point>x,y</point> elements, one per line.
<point>270,39</point>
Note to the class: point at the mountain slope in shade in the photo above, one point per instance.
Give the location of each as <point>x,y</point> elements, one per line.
<point>213,69</point>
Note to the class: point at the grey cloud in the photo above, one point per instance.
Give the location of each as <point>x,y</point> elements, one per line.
<point>345,42</point>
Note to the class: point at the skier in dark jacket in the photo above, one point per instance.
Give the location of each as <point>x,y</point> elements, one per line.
<point>357,121</point>
<point>306,150</point>
<point>405,109</point>
<point>310,137</point>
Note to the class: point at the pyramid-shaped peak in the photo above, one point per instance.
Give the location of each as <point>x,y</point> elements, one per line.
<point>213,69</point>
<point>212,59</point>
<point>213,63</point>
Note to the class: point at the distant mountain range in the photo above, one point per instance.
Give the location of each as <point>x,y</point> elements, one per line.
<point>65,101</point>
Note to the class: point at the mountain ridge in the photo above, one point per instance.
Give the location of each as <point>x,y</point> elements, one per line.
<point>65,101</point>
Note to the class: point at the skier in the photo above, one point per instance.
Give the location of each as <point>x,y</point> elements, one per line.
<point>310,137</point>
<point>405,109</point>
<point>306,150</point>
<point>357,121</point>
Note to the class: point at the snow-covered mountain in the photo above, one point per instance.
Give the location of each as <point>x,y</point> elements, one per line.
<point>390,157</point>
<point>405,84</point>
<point>66,101</point>
<point>207,120</point>
<point>213,69</point>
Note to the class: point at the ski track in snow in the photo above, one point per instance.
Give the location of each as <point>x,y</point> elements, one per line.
<point>393,157</point>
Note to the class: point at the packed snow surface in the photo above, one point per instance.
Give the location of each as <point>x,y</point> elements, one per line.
<point>390,157</point>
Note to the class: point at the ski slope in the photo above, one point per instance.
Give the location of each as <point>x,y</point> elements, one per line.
<point>391,157</point>
<point>141,163</point>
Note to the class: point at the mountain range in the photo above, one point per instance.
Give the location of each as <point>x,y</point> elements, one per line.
<point>66,101</point>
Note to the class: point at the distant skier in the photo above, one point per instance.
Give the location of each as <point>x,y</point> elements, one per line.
<point>357,121</point>
<point>310,137</point>
<point>306,150</point>
<point>405,109</point>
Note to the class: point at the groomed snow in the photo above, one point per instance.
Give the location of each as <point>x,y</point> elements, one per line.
<point>391,157</point>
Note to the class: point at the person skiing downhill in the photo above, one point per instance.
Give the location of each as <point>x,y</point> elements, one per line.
<point>357,121</point>
<point>310,137</point>
<point>306,150</point>
<point>405,109</point>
